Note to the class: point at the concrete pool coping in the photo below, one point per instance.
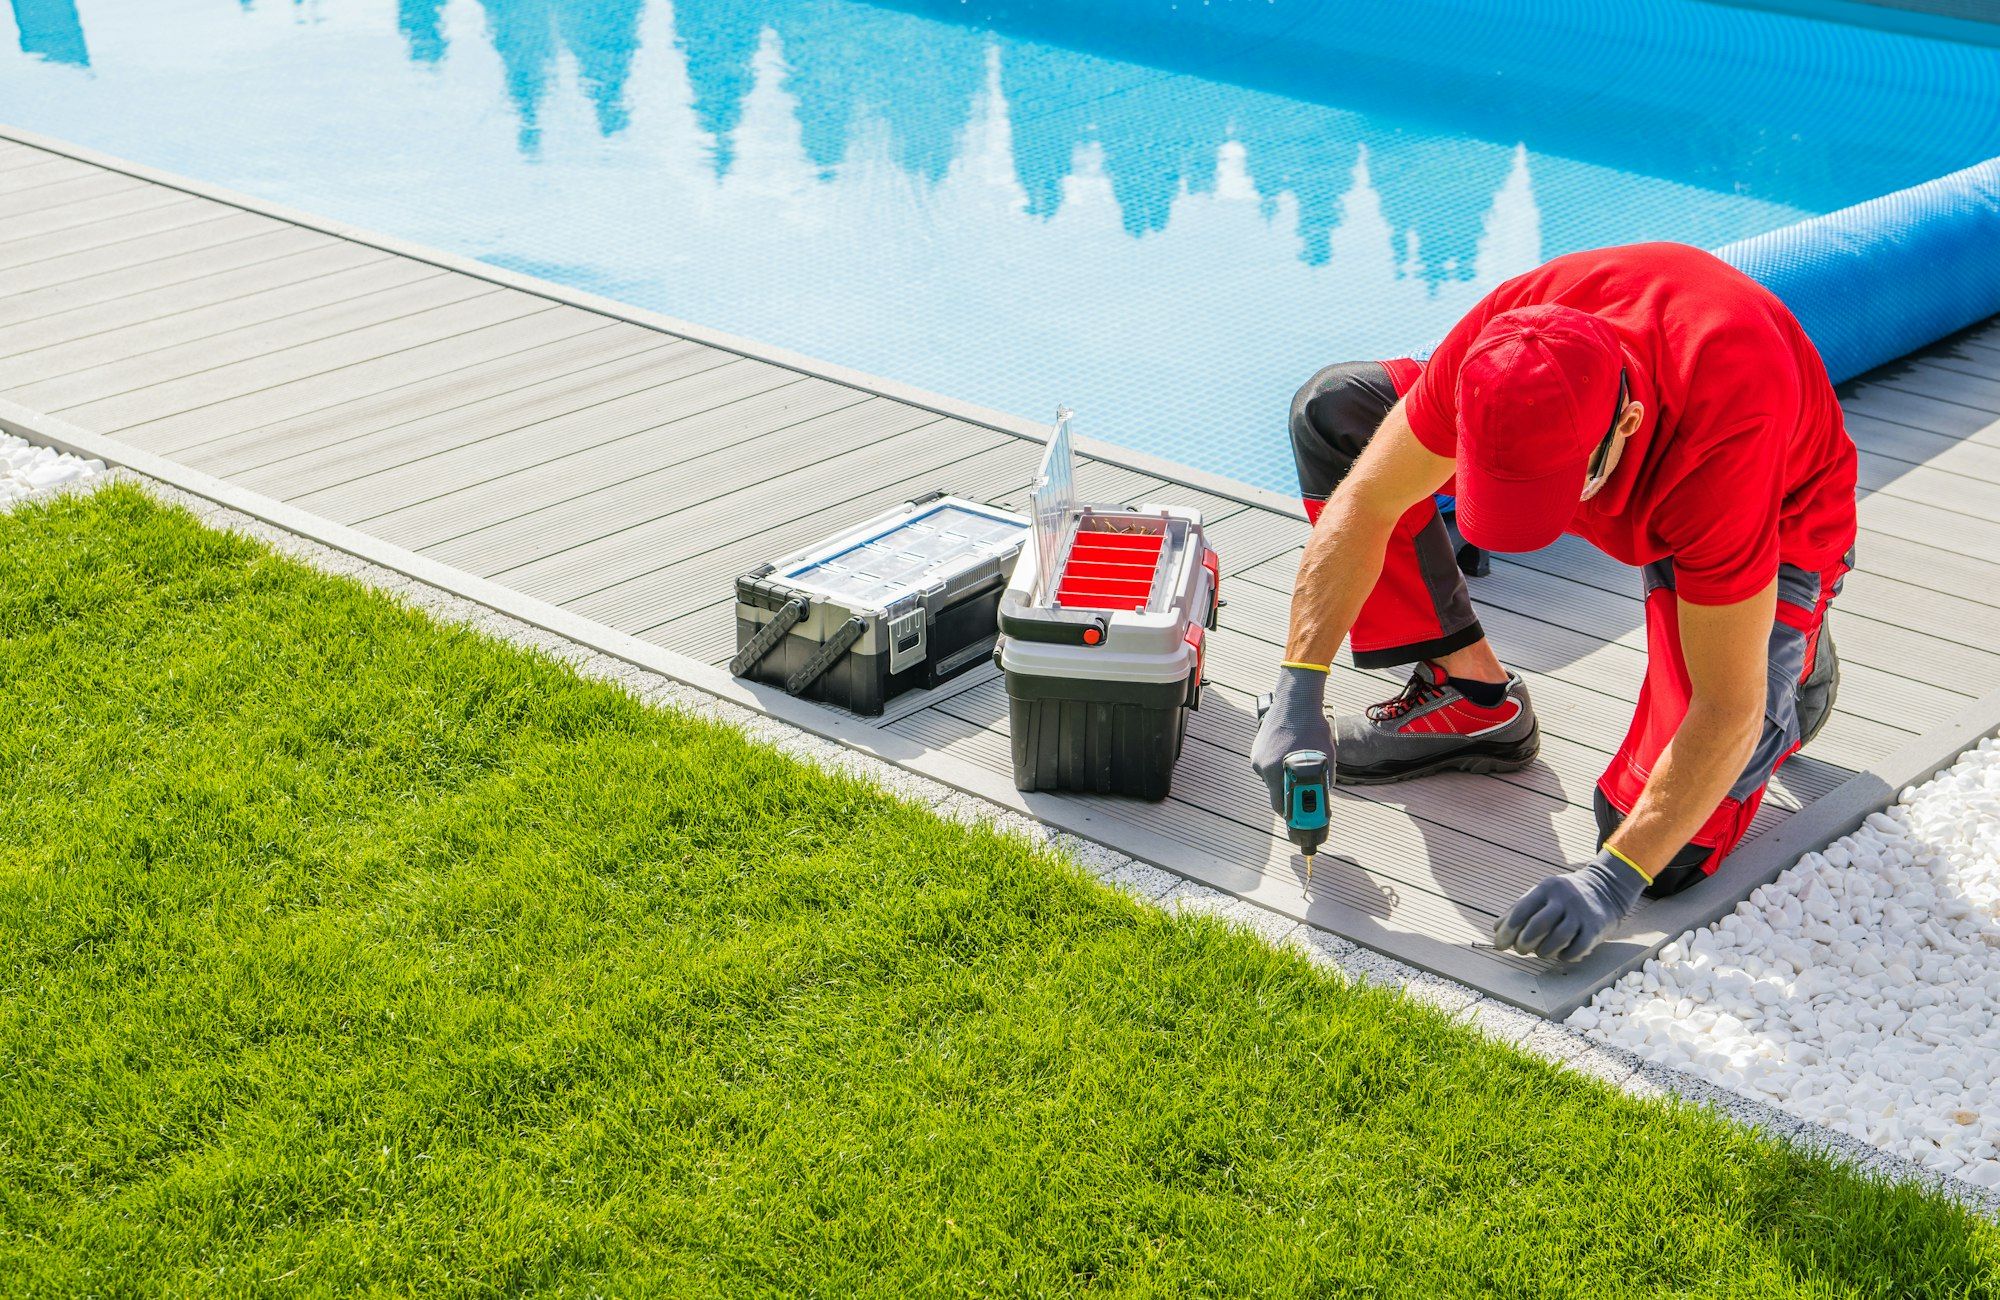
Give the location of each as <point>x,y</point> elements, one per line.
<point>1546,992</point>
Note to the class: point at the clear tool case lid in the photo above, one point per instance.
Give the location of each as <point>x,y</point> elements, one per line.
<point>904,553</point>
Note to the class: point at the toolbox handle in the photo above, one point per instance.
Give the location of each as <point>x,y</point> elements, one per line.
<point>824,658</point>
<point>768,636</point>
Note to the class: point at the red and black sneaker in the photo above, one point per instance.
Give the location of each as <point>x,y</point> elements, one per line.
<point>1433,727</point>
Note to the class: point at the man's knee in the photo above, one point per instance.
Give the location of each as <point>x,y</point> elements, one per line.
<point>1342,406</point>
<point>1333,417</point>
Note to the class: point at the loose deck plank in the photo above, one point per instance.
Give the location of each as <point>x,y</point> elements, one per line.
<point>630,475</point>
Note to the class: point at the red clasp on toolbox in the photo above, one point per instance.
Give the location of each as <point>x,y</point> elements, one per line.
<point>1213,563</point>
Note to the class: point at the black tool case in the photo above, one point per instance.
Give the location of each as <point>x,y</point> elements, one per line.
<point>1102,638</point>
<point>906,600</point>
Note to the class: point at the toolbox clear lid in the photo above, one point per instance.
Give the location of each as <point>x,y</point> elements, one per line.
<point>1054,508</point>
<point>904,552</point>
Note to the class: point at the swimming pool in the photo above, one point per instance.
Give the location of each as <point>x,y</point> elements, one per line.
<point>1166,217</point>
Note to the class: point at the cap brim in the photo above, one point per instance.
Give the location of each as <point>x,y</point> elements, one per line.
<point>1497,514</point>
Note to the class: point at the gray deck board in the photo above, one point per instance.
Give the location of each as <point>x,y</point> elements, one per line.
<point>168,304</point>
<point>388,355</point>
<point>26,306</point>
<point>53,171</point>
<point>691,383</point>
<point>324,400</point>
<point>664,475</point>
<point>629,475</point>
<point>166,239</point>
<point>169,344</point>
<point>346,440</point>
<point>30,189</point>
<point>82,213</point>
<point>203,365</point>
<point>656,597</point>
<point>75,238</point>
<point>667,466</point>
<point>628,573</point>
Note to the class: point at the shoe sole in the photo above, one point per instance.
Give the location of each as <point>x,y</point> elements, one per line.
<point>1484,757</point>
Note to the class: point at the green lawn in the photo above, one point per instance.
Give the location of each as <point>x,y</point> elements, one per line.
<point>347,951</point>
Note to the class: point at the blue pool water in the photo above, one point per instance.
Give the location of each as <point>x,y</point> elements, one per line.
<point>1166,215</point>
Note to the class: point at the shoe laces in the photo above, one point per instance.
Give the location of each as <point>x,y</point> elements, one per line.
<point>1421,689</point>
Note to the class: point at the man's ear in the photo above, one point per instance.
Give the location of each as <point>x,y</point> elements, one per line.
<point>1631,418</point>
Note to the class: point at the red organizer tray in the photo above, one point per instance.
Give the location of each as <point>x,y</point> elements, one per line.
<point>1109,571</point>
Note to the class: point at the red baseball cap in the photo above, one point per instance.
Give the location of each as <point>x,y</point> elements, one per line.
<point>1536,394</point>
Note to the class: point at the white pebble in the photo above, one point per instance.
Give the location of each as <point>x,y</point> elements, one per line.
<point>1860,989</point>
<point>26,469</point>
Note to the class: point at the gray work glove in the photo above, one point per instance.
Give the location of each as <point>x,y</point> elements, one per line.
<point>1566,916</point>
<point>1297,720</point>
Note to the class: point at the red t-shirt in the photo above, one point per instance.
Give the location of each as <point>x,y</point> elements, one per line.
<point>1742,462</point>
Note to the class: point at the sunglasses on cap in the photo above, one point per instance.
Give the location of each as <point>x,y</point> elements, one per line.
<point>1594,475</point>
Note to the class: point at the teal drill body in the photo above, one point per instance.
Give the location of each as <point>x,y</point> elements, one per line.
<point>1308,774</point>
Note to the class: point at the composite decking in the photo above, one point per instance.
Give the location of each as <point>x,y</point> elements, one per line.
<point>616,467</point>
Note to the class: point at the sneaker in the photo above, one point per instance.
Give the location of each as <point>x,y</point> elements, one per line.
<point>1431,727</point>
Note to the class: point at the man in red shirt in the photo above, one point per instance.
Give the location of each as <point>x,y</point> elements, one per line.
<point>1665,407</point>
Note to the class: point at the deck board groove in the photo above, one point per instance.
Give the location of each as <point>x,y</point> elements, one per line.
<point>208,231</point>
<point>629,473</point>
<point>166,304</point>
<point>73,239</point>
<point>111,286</point>
<point>94,211</point>
<point>693,383</point>
<point>305,308</point>
<point>426,311</point>
<point>337,443</point>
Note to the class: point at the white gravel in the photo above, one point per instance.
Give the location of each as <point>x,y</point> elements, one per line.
<point>1860,990</point>
<point>26,470</point>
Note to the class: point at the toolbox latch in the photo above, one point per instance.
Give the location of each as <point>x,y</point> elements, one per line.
<point>906,639</point>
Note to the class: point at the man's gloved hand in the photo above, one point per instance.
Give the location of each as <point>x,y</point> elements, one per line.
<point>1566,916</point>
<point>1297,720</point>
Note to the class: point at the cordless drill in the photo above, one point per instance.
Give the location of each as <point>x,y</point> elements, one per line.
<point>1306,775</point>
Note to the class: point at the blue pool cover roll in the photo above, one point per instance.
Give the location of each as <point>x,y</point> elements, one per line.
<point>1883,278</point>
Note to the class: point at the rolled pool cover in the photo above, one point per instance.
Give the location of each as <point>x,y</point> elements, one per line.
<point>1883,278</point>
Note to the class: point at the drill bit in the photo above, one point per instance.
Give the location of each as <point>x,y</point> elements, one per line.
<point>1307,891</point>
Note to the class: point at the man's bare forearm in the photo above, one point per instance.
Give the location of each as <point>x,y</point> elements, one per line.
<point>1344,556</point>
<point>1694,775</point>
<point>1342,561</point>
